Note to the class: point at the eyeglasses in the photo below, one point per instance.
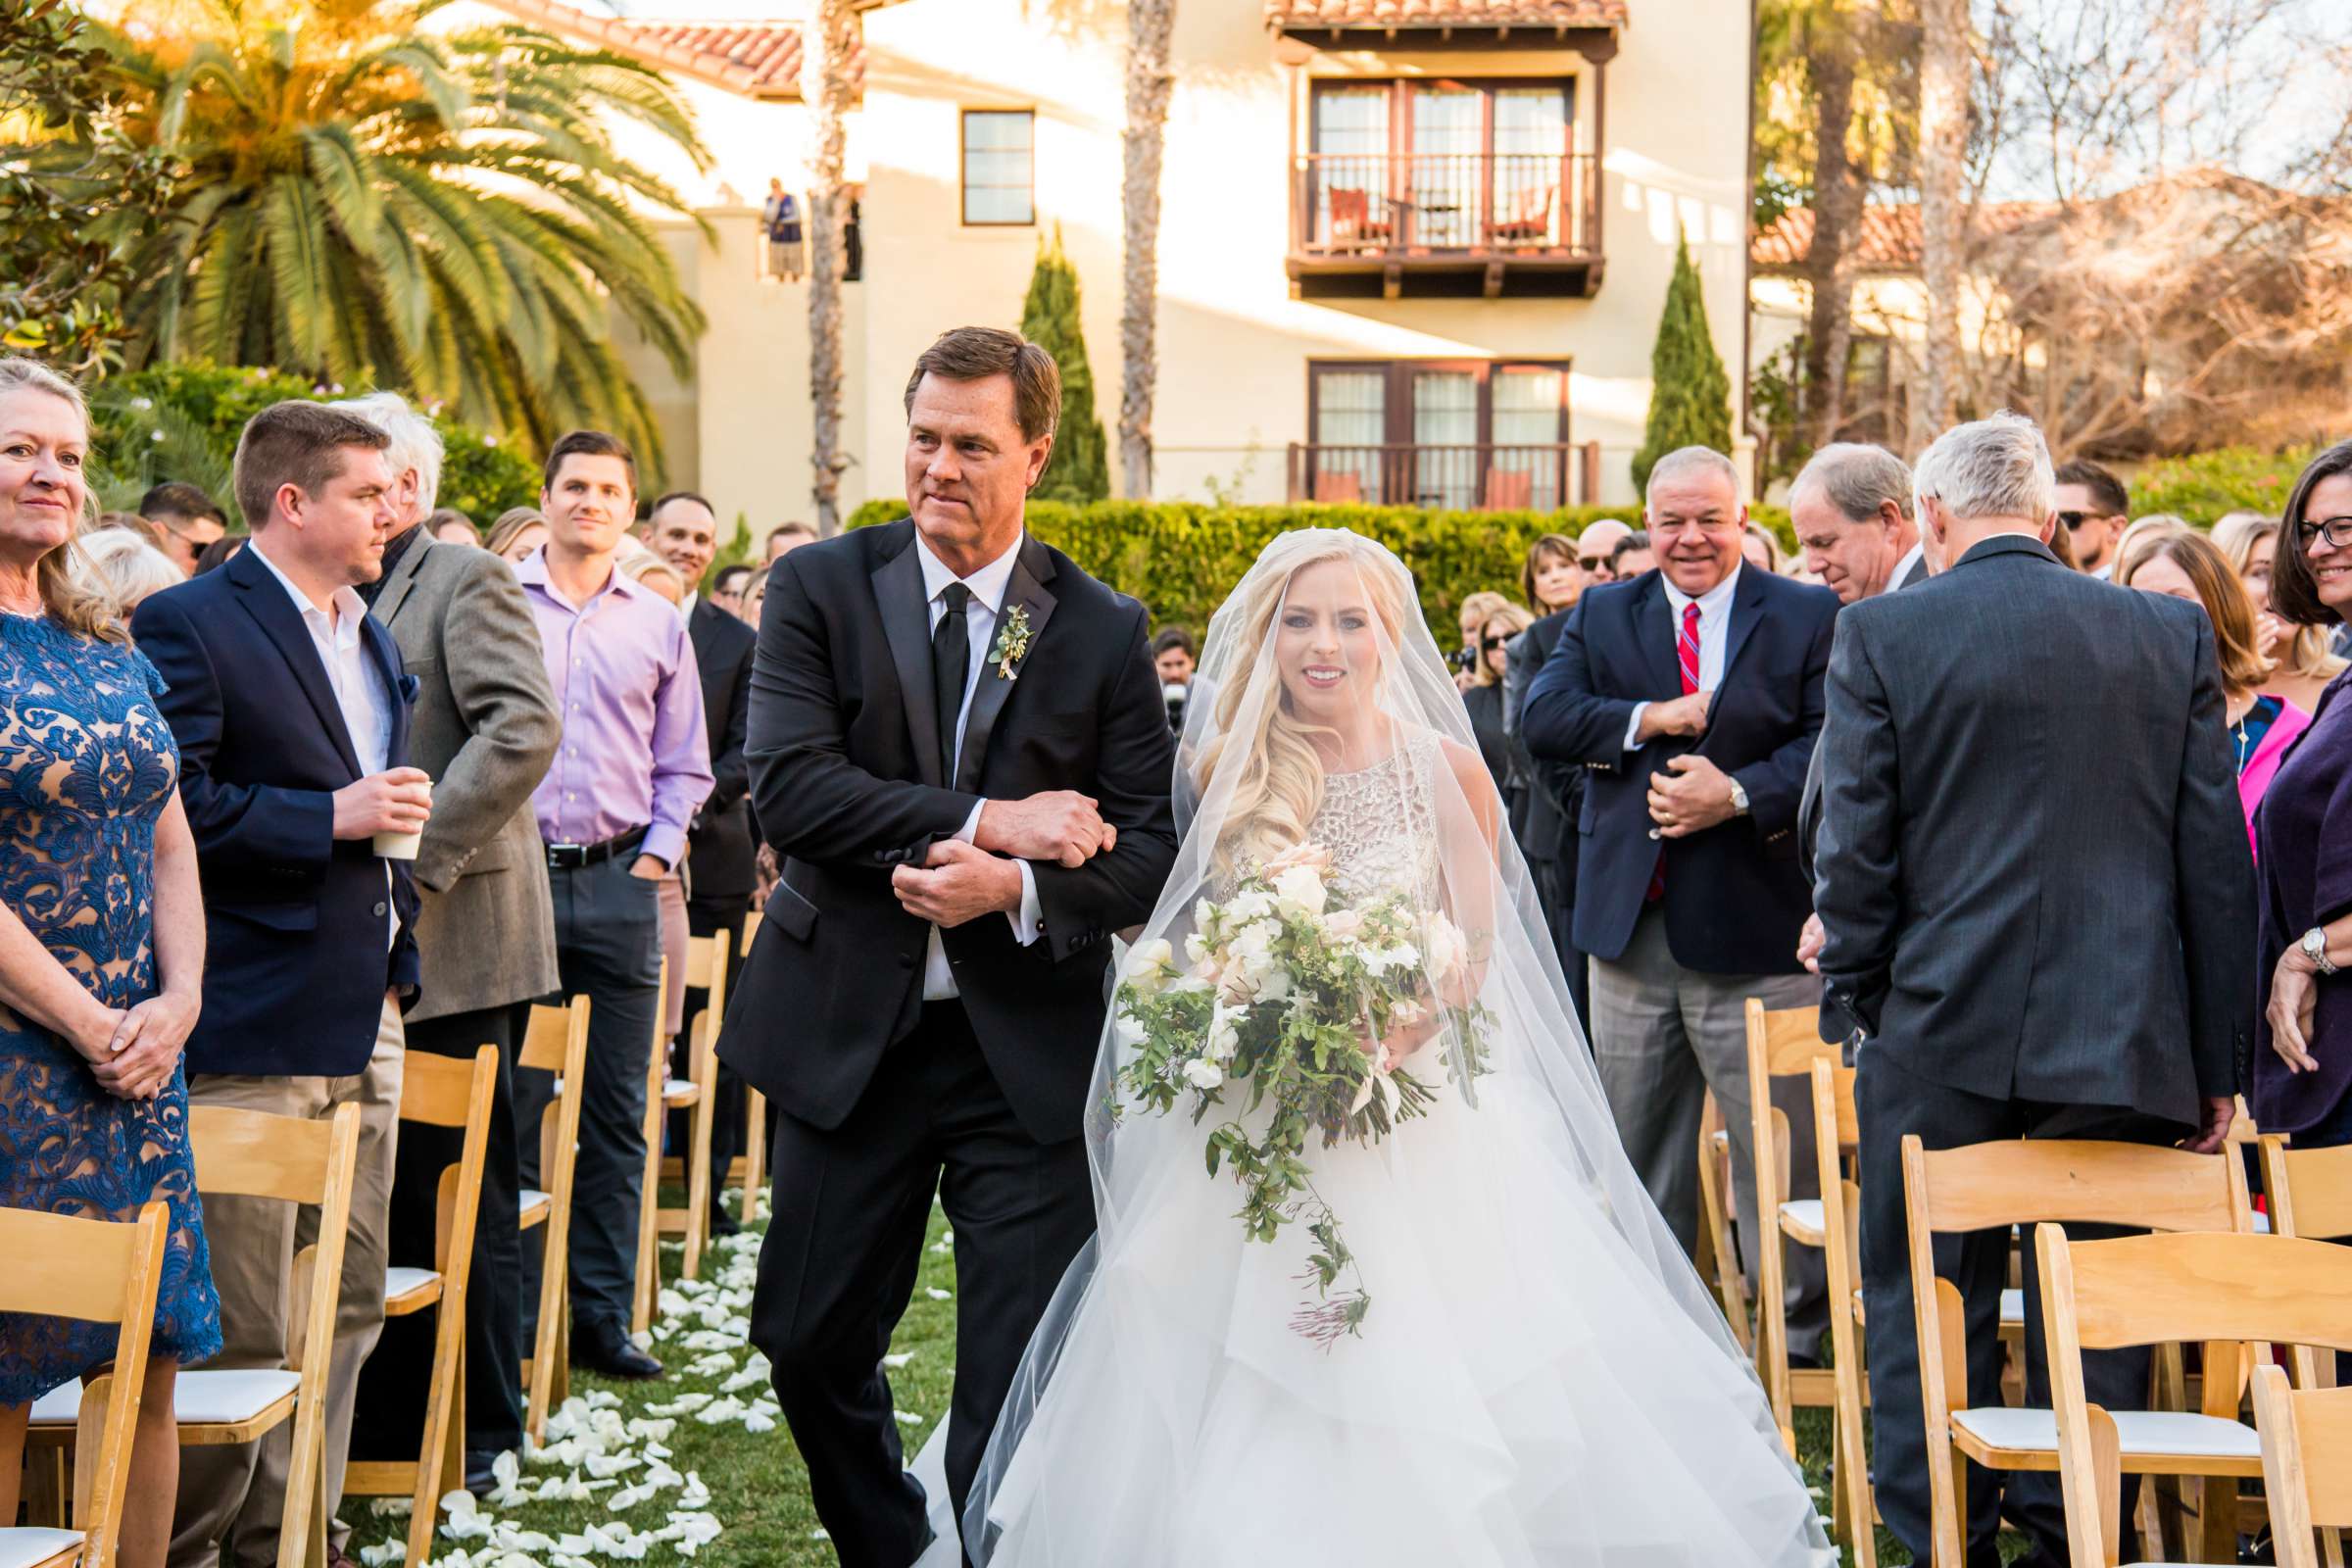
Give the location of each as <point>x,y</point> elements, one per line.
<point>2338,529</point>
<point>2076,519</point>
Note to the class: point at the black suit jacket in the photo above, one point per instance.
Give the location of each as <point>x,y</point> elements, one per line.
<point>295,962</point>
<point>1808,806</point>
<point>721,859</point>
<point>2032,871</point>
<point>1734,901</point>
<point>846,783</point>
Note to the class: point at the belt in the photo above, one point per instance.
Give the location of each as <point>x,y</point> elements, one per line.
<point>573,856</point>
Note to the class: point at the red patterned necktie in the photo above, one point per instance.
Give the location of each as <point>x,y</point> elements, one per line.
<point>1685,653</point>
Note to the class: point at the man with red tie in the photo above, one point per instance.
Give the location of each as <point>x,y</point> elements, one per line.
<point>1692,695</point>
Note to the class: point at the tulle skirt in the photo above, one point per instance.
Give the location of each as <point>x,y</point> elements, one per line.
<point>1525,1389</point>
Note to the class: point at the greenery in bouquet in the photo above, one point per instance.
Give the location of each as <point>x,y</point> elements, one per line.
<point>1302,1003</point>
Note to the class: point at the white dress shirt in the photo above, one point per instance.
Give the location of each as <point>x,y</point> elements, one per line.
<point>1911,557</point>
<point>358,685</point>
<point>1714,624</point>
<point>988,586</point>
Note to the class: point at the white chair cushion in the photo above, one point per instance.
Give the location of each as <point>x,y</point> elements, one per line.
<point>22,1549</point>
<point>531,1197</point>
<point>2262,1227</point>
<point>2164,1432</point>
<point>401,1281</point>
<point>677,1089</point>
<point>2013,1307</point>
<point>1804,1213</point>
<point>222,1398</point>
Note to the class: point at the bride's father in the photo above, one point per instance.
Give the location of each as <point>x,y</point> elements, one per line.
<point>958,748</point>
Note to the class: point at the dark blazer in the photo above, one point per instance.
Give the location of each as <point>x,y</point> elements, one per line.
<point>295,962</point>
<point>1542,793</point>
<point>2032,868</point>
<point>1735,902</point>
<point>1808,804</point>
<point>847,784</point>
<point>721,859</point>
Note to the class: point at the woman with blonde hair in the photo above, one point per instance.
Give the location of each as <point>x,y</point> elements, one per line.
<point>128,568</point>
<point>1485,697</point>
<point>101,947</point>
<point>2249,541</point>
<point>1466,1294</point>
<point>517,532</point>
<point>2185,564</point>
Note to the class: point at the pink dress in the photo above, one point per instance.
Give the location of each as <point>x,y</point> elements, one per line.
<point>2261,767</point>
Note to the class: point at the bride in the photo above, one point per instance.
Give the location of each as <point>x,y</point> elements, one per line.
<point>1505,1360</point>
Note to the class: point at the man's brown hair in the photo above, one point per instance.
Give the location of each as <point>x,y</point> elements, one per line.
<point>976,353</point>
<point>296,443</point>
<point>588,444</point>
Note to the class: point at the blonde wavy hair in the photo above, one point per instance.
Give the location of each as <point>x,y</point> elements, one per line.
<point>1280,787</point>
<point>69,594</point>
<point>2306,655</point>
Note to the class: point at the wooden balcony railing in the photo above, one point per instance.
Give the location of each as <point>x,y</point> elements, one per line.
<point>1456,204</point>
<point>1450,478</point>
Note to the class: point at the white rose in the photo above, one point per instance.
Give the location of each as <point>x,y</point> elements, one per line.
<point>1247,906</point>
<point>1150,964</point>
<point>1298,891</point>
<point>1126,1032</point>
<point>1224,1037</point>
<point>1399,957</point>
<point>1447,947</point>
<point>1343,925</point>
<point>1201,1073</point>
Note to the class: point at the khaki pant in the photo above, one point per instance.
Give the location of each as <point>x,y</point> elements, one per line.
<point>232,1499</point>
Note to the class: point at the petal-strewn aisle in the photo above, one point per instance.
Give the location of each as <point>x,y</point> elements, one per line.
<point>698,1466</point>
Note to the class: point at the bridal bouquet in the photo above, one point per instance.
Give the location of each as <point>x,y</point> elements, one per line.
<point>1293,998</point>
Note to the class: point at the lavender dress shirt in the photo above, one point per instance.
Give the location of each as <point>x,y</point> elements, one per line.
<point>634,752</point>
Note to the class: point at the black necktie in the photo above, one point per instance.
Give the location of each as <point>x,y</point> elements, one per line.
<point>950,661</point>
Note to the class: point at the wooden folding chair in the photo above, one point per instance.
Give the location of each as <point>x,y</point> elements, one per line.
<point>2014,1181</point>
<point>2227,1292</point>
<point>751,1166</point>
<point>1836,1130</point>
<point>2310,1189</point>
<point>440,1091</point>
<point>94,1271</point>
<point>556,1042</point>
<point>706,960</point>
<point>1718,1251</point>
<point>1782,1043</point>
<point>251,1154</point>
<point>2306,1466</point>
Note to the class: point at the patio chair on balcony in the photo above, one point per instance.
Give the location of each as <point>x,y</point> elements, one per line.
<point>1352,223</point>
<point>1524,219</point>
<point>1510,490</point>
<point>1339,487</point>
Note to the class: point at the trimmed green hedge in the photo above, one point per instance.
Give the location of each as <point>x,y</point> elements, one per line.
<point>2203,487</point>
<point>1182,559</point>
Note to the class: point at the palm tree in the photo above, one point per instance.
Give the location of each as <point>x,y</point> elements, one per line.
<point>1149,24</point>
<point>1944,79</point>
<point>839,32</point>
<point>366,203</point>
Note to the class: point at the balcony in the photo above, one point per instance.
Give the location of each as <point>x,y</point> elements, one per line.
<point>1448,479</point>
<point>1457,224</point>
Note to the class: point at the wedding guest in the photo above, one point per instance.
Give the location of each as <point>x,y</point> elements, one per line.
<point>101,950</point>
<point>2303,663</point>
<point>1761,550</point>
<point>755,598</point>
<point>1632,556</point>
<point>727,589</point>
<point>1174,657</point>
<point>2094,508</point>
<point>785,538</point>
<point>517,532</point>
<point>453,527</point>
<point>486,729</point>
<point>1851,507</point>
<point>1551,577</point>
<point>132,522</point>
<point>658,575</point>
<point>291,708</point>
<point>2155,524</point>
<point>1597,547</point>
<point>1484,699</point>
<point>633,767</point>
<point>1688,894</point>
<point>2015,965</point>
<point>188,518</point>
<point>719,845</point>
<point>1541,798</point>
<point>1477,609</point>
<point>2302,1083</point>
<point>218,553</point>
<point>127,569</point>
<point>2261,726</point>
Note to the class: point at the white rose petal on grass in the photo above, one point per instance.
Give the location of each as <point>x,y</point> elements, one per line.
<point>725,1408</point>
<point>937,1295</point>
<point>898,1359</point>
<point>906,1418</point>
<point>391,1508</point>
<point>758,1421</point>
<point>384,1554</point>
<point>683,1404</point>
<point>601,1466</point>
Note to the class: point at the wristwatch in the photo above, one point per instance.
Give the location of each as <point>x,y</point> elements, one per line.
<point>1738,798</point>
<point>2314,948</point>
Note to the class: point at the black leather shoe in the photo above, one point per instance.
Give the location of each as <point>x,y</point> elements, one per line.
<point>480,1478</point>
<point>609,1353</point>
<point>724,1223</point>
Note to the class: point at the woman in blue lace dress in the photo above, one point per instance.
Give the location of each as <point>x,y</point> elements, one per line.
<point>101,947</point>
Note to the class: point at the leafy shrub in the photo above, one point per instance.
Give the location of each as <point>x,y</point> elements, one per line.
<point>2202,487</point>
<point>1181,557</point>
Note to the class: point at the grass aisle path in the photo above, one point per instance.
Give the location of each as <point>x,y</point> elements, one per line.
<point>758,1488</point>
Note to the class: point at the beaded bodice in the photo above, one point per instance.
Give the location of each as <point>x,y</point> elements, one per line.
<point>1380,825</point>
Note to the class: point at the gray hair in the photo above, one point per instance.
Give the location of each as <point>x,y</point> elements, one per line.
<point>1993,467</point>
<point>1682,462</point>
<point>415,444</point>
<point>1858,478</point>
<point>127,568</point>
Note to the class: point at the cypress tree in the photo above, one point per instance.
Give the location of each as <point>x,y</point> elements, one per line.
<point>1690,394</point>
<point>1080,468</point>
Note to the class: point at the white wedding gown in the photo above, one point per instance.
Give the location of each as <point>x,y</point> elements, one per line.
<point>1527,1389</point>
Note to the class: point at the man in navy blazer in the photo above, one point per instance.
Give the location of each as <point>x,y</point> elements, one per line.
<point>291,711</point>
<point>1692,695</point>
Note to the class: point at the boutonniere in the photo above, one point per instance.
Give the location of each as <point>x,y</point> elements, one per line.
<point>1012,643</point>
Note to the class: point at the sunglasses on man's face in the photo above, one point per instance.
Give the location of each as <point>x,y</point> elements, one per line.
<point>2076,519</point>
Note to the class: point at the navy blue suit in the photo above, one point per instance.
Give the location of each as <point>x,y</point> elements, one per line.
<point>296,962</point>
<point>1734,897</point>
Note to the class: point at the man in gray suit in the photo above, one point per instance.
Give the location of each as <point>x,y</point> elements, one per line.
<point>485,728</point>
<point>2014,964</point>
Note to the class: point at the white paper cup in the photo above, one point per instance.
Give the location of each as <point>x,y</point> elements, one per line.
<point>398,845</point>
